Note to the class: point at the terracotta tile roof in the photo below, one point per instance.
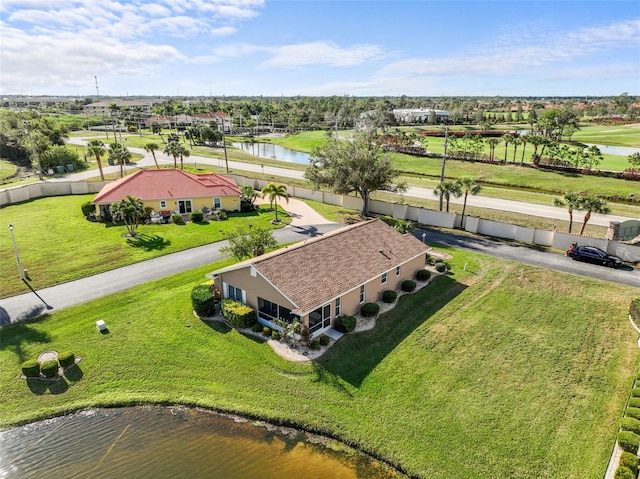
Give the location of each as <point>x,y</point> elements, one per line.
<point>314,272</point>
<point>166,184</point>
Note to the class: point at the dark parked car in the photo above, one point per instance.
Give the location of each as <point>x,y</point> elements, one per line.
<point>593,255</point>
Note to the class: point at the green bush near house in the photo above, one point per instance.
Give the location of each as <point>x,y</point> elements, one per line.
<point>49,368</point>
<point>389,296</point>
<point>369,309</point>
<point>256,328</point>
<point>633,412</point>
<point>630,424</point>
<point>423,274</point>
<point>177,219</point>
<point>324,340</point>
<point>203,301</point>
<point>440,267</point>
<point>345,324</point>
<point>624,473</point>
<point>66,359</point>
<point>315,344</point>
<point>196,217</point>
<point>237,314</point>
<point>275,335</point>
<point>629,441</point>
<point>266,331</point>
<point>408,286</point>
<point>629,460</point>
<point>31,368</point>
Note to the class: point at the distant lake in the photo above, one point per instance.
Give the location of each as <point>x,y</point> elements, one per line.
<point>273,152</point>
<point>173,443</point>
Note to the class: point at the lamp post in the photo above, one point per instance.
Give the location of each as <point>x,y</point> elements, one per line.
<point>15,250</point>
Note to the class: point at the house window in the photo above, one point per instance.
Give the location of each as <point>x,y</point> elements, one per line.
<point>397,270</point>
<point>273,311</point>
<point>384,278</point>
<point>184,206</point>
<point>217,203</point>
<point>236,293</point>
<point>338,307</point>
<point>320,318</point>
<point>362,294</point>
<point>163,204</point>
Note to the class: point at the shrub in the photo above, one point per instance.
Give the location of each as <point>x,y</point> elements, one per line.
<point>31,368</point>
<point>345,324</point>
<point>389,296</point>
<point>218,215</point>
<point>88,209</point>
<point>66,359</point>
<point>238,314</point>
<point>629,460</point>
<point>423,275</point>
<point>624,473</point>
<point>177,219</point>
<point>256,328</point>
<point>49,368</point>
<point>633,412</point>
<point>324,340</point>
<point>635,392</point>
<point>440,267</point>
<point>634,402</point>
<point>315,344</point>
<point>266,331</point>
<point>369,309</point>
<point>196,217</point>
<point>630,424</point>
<point>628,441</point>
<point>275,334</point>
<point>203,301</point>
<point>634,308</point>
<point>408,286</point>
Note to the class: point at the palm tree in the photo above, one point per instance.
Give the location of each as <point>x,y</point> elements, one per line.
<point>492,142</point>
<point>572,201</point>
<point>507,139</point>
<point>97,149</point>
<point>119,153</point>
<point>129,211</point>
<point>447,189</point>
<point>524,139</point>
<point>249,194</point>
<point>173,148</point>
<point>536,141</point>
<point>516,141</point>
<point>468,186</point>
<point>151,147</point>
<point>595,205</point>
<point>183,151</point>
<point>274,192</point>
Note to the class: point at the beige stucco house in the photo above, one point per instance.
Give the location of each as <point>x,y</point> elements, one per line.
<point>322,278</point>
<point>173,191</point>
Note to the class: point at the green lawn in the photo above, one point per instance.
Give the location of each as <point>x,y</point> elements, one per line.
<point>482,374</point>
<point>56,244</point>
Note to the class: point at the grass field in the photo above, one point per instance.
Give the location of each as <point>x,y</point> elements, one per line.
<point>56,244</point>
<point>484,373</point>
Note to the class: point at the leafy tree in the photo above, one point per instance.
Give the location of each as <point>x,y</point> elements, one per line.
<point>128,211</point>
<point>60,155</point>
<point>404,226</point>
<point>446,190</point>
<point>151,147</point>
<point>592,157</point>
<point>468,186</point>
<point>97,149</point>
<point>359,166</point>
<point>593,204</point>
<point>274,192</point>
<point>634,159</point>
<point>572,201</point>
<point>245,243</point>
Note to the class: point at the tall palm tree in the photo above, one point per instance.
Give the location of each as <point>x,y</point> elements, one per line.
<point>516,141</point>
<point>97,149</point>
<point>119,153</point>
<point>274,192</point>
<point>572,201</point>
<point>447,189</point>
<point>492,142</point>
<point>595,205</point>
<point>151,147</point>
<point>468,186</point>
<point>183,151</point>
<point>173,148</point>
<point>524,139</point>
<point>507,139</point>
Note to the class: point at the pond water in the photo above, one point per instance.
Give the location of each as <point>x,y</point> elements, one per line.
<point>156,442</point>
<point>616,150</point>
<point>273,152</point>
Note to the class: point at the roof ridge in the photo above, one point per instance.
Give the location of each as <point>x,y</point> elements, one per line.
<point>117,184</point>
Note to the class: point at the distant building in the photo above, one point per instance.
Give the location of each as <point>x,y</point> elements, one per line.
<point>101,108</point>
<point>415,115</point>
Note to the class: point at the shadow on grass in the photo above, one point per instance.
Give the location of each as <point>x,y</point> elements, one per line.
<point>254,338</point>
<point>16,336</point>
<point>218,326</point>
<point>73,373</point>
<point>357,354</point>
<point>55,387</point>
<point>148,242</point>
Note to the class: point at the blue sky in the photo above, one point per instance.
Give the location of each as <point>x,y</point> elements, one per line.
<point>357,48</point>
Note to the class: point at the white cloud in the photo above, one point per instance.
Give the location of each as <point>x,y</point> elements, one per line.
<point>322,53</point>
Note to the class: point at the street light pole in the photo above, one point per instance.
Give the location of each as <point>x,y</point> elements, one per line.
<point>15,250</point>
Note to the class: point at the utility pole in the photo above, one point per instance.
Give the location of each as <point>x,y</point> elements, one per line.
<point>97,89</point>
<point>27,124</point>
<point>444,159</point>
<point>224,146</point>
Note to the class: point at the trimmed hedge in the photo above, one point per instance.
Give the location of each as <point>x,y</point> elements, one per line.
<point>630,424</point>
<point>196,217</point>
<point>256,328</point>
<point>389,296</point>
<point>203,300</point>
<point>423,274</point>
<point>237,314</point>
<point>324,340</point>
<point>177,219</point>
<point>345,324</point>
<point>624,473</point>
<point>629,460</point>
<point>629,441</point>
<point>49,368</point>
<point>633,412</point>
<point>408,286</point>
<point>31,368</point>
<point>66,359</point>
<point>441,267</point>
<point>315,344</point>
<point>634,402</point>
<point>369,309</point>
